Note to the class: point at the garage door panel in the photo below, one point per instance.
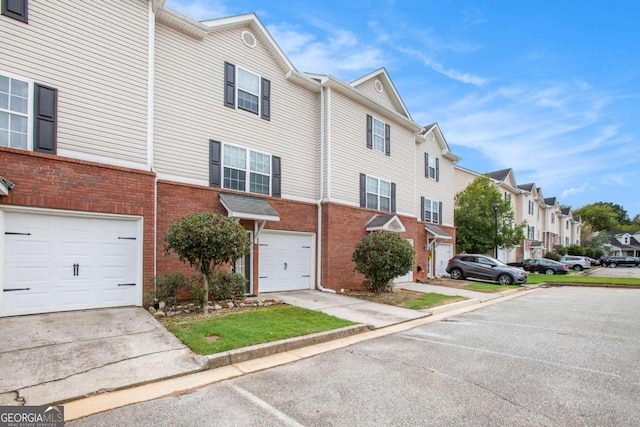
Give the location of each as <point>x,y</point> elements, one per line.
<point>285,262</point>
<point>69,263</point>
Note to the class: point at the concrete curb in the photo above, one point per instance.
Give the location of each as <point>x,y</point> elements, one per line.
<point>453,306</point>
<point>267,349</point>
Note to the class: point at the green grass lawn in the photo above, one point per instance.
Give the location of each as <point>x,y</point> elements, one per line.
<point>427,300</point>
<point>572,278</point>
<point>488,287</point>
<point>237,330</point>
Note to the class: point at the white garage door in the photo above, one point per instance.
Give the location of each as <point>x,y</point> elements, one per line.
<point>443,255</point>
<point>59,263</point>
<point>285,262</point>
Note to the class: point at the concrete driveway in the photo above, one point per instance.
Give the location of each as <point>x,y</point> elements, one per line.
<point>51,358</point>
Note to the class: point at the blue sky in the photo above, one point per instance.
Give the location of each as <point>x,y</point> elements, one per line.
<point>548,88</point>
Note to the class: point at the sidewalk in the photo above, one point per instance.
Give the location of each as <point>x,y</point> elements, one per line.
<point>247,360</point>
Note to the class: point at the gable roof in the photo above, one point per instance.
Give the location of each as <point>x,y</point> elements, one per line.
<point>434,129</point>
<point>382,75</point>
<point>551,201</point>
<point>500,175</point>
<point>527,187</point>
<point>200,29</point>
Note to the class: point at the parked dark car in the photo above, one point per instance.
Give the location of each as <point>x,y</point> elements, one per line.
<point>544,265</point>
<point>594,262</point>
<point>626,261</point>
<point>485,268</point>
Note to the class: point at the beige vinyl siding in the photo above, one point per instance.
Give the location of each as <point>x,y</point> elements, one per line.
<point>350,155</point>
<point>384,98</point>
<point>189,110</point>
<point>95,54</point>
<point>442,190</point>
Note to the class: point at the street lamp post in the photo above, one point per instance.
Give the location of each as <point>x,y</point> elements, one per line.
<point>495,238</point>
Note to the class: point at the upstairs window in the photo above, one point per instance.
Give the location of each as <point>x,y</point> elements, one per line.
<point>28,114</point>
<point>241,169</point>
<point>431,210</point>
<point>531,207</point>
<point>247,91</point>
<point>14,112</point>
<point>377,194</point>
<point>378,135</point>
<point>431,167</point>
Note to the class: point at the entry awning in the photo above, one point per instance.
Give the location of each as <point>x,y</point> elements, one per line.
<point>248,207</point>
<point>537,244</point>
<point>438,232</point>
<point>385,222</point>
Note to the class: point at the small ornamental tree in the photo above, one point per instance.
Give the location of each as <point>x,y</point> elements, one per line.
<point>207,241</point>
<point>382,256</point>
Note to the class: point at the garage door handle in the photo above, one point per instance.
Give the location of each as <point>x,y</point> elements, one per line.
<point>126,284</point>
<point>17,289</point>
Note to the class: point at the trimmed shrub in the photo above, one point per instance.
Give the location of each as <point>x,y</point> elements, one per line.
<point>225,285</point>
<point>553,256</point>
<point>380,257</point>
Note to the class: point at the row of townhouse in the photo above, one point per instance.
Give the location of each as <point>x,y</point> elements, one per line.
<point>547,223</point>
<point>117,118</point>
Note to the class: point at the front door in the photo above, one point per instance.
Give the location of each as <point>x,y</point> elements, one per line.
<point>242,266</point>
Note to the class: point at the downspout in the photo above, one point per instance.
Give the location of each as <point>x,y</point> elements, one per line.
<point>150,115</point>
<point>319,202</point>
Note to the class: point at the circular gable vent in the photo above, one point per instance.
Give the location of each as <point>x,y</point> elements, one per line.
<point>378,86</point>
<point>248,39</point>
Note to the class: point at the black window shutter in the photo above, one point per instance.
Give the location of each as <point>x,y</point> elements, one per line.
<point>387,140</point>
<point>440,213</point>
<point>229,85</point>
<point>266,99</point>
<point>369,131</point>
<point>426,165</point>
<point>437,169</point>
<point>16,9</point>
<point>276,176</point>
<point>45,119</point>
<point>363,190</point>
<point>215,164</point>
<point>393,197</point>
<point>421,208</point>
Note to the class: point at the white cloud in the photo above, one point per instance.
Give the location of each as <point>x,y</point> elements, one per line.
<point>574,190</point>
<point>463,77</point>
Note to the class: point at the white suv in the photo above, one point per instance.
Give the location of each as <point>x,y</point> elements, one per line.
<point>577,263</point>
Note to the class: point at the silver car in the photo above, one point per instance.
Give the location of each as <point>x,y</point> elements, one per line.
<point>486,268</point>
<point>577,263</point>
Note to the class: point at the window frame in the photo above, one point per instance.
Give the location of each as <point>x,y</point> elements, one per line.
<point>23,17</point>
<point>248,171</point>
<point>375,135</point>
<point>432,207</point>
<point>378,194</point>
<point>238,89</point>
<point>30,109</point>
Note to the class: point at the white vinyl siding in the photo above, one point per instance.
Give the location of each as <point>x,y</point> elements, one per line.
<point>348,148</point>
<point>444,189</point>
<point>100,74</point>
<point>193,71</point>
<point>383,98</point>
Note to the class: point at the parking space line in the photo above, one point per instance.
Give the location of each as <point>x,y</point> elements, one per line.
<point>562,365</point>
<point>264,405</point>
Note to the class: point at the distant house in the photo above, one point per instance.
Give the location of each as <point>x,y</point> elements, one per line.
<point>623,243</point>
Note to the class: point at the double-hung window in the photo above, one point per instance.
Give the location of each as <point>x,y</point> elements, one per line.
<point>14,112</point>
<point>28,114</point>
<point>247,91</point>
<point>378,194</point>
<point>431,167</point>
<point>238,163</point>
<point>378,135</point>
<point>431,210</point>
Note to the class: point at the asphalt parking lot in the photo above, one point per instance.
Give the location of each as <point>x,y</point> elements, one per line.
<point>561,356</point>
<point>616,272</point>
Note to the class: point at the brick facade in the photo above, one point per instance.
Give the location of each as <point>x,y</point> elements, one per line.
<point>54,182</point>
<point>176,200</point>
<point>343,227</point>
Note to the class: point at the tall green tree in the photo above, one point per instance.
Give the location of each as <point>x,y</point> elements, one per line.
<point>476,222</point>
<point>605,216</point>
<point>207,241</point>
